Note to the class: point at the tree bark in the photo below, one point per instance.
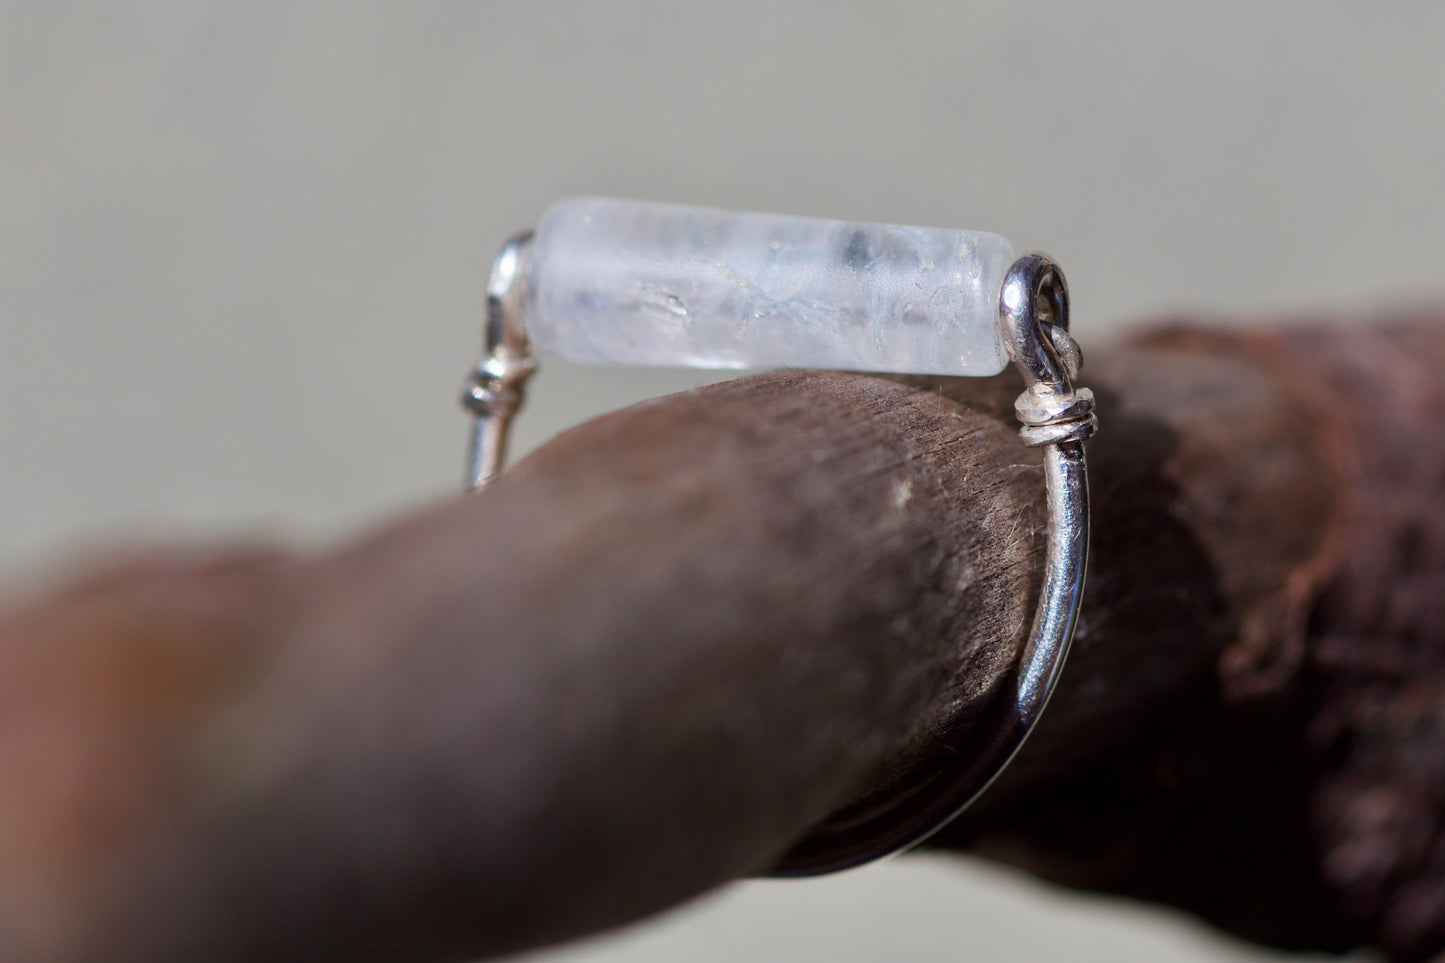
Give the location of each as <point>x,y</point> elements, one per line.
<point>1293,792</point>
<point>662,647</point>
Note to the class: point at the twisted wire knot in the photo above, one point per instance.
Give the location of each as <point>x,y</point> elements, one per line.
<point>496,384</point>
<point>1054,413</point>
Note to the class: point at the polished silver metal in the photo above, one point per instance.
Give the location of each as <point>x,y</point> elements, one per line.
<point>1034,320</point>
<point>1055,415</point>
<point>496,387</point>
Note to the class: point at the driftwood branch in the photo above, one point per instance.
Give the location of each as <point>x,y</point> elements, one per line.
<point>654,654</point>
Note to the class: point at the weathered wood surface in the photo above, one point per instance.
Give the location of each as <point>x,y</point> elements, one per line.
<point>668,642</point>
<point>1294,792</point>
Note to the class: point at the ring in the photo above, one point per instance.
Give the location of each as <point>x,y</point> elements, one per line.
<point>613,281</point>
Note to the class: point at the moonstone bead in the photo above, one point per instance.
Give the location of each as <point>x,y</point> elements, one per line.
<point>659,284</point>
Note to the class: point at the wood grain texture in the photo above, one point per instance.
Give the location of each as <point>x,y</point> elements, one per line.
<point>657,651</point>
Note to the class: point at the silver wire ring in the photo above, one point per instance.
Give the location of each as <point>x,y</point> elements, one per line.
<point>496,387</point>
<point>1034,324</point>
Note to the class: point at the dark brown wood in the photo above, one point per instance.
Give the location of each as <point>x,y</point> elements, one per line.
<point>664,645</point>
<point>1293,792</point>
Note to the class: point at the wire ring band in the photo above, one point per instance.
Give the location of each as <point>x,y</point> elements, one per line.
<point>1033,317</point>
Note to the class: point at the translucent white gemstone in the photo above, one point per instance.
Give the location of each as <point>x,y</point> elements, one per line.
<point>659,284</point>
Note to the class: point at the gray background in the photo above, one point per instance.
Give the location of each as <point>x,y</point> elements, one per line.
<point>242,247</point>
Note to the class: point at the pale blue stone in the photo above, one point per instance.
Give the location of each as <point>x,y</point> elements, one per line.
<point>640,283</point>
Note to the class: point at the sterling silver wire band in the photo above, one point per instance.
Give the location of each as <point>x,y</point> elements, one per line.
<point>1034,316</point>
<point>497,385</point>
<point>1034,323</point>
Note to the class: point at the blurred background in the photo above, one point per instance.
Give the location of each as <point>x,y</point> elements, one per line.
<point>242,251</point>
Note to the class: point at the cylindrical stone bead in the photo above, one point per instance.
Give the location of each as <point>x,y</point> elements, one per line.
<point>639,283</point>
